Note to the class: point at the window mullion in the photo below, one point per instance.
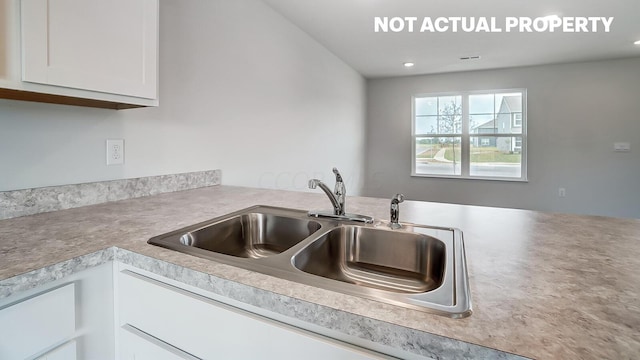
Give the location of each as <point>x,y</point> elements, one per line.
<point>465,154</point>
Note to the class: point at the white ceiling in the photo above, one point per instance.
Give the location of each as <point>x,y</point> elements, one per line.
<point>345,27</point>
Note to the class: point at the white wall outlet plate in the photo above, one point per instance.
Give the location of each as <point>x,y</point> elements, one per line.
<point>115,151</point>
<point>622,147</point>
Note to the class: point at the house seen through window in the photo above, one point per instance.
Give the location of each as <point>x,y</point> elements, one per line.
<point>470,135</point>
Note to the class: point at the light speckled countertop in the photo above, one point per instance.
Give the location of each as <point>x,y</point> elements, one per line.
<point>547,286</point>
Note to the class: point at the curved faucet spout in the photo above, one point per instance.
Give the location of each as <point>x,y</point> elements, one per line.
<point>338,208</point>
<point>337,198</point>
<point>338,195</point>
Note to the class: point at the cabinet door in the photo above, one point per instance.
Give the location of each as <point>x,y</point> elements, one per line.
<point>35,324</point>
<point>107,46</point>
<point>211,330</point>
<point>64,352</point>
<point>136,345</point>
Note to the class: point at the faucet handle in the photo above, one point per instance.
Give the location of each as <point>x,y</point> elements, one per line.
<point>339,190</point>
<point>398,198</point>
<point>395,211</point>
<point>338,176</point>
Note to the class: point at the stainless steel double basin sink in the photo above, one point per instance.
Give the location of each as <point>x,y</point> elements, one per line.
<point>416,266</point>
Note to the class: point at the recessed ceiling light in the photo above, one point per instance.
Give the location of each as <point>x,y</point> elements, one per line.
<point>637,42</point>
<point>551,17</point>
<point>409,64</point>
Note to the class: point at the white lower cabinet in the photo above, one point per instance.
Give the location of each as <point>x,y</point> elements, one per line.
<point>66,319</point>
<point>38,323</point>
<point>103,313</point>
<point>64,352</point>
<point>136,345</point>
<point>198,327</point>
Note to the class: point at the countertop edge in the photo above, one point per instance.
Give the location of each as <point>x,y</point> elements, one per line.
<point>35,278</point>
<point>395,336</point>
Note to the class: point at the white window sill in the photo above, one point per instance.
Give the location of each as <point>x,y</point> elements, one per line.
<point>460,177</point>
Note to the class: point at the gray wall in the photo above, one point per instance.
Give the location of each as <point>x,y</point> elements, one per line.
<point>241,89</point>
<point>575,112</point>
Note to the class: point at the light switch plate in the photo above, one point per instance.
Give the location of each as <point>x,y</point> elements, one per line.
<point>115,151</point>
<point>622,147</point>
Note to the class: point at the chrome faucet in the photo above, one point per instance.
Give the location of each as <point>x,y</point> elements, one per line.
<point>395,211</point>
<point>337,198</point>
<point>338,195</point>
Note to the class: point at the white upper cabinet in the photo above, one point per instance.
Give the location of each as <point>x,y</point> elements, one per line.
<point>99,45</point>
<point>102,50</point>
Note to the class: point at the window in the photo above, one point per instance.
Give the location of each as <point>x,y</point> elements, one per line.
<point>470,135</point>
<point>518,144</point>
<point>517,119</point>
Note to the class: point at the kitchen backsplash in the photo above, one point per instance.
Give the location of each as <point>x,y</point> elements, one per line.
<point>38,200</point>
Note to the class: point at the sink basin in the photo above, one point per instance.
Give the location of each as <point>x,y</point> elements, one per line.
<point>252,235</point>
<point>418,267</point>
<point>388,260</point>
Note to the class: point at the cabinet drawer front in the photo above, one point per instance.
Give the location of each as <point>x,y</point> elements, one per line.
<point>136,345</point>
<point>64,352</point>
<point>210,330</point>
<point>35,324</point>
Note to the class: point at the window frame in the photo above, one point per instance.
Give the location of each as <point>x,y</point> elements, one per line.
<point>514,119</point>
<point>516,146</point>
<point>466,136</point>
